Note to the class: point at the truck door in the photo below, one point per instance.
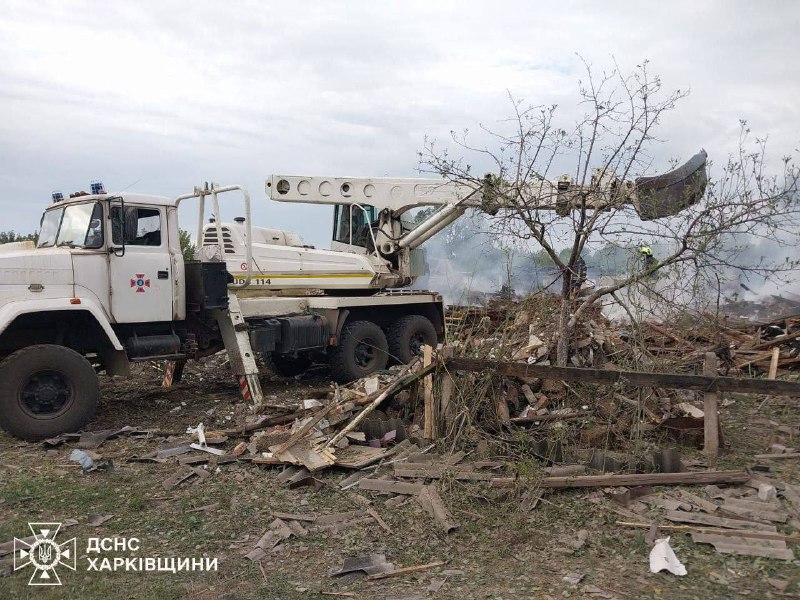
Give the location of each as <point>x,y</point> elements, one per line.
<point>140,269</point>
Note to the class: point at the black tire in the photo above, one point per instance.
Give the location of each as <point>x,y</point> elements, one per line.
<point>362,350</point>
<point>407,336</point>
<point>289,366</point>
<point>46,390</point>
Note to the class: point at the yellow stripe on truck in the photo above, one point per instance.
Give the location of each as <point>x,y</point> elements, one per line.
<point>306,276</point>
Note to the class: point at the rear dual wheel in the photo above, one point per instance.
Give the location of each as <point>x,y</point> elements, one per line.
<point>362,350</point>
<point>408,335</point>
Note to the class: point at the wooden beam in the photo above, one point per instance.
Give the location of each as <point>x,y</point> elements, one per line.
<point>636,378</point>
<point>711,413</point>
<point>429,430</point>
<point>773,363</point>
<point>581,481</point>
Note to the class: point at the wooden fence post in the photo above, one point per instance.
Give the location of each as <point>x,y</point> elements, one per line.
<point>429,430</point>
<point>710,408</point>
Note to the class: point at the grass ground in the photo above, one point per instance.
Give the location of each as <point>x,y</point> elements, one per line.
<point>499,552</point>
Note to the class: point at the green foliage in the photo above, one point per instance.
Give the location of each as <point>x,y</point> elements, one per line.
<point>7,237</point>
<point>187,247</point>
<point>610,259</point>
<point>542,259</point>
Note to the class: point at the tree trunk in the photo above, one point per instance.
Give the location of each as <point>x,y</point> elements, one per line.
<point>564,330</point>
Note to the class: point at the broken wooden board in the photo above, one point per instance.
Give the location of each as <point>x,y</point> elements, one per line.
<point>755,509</point>
<point>313,459</point>
<point>679,516</point>
<point>432,471</point>
<point>745,546</point>
<point>294,517</point>
<point>431,501</point>
<point>278,531</point>
<point>699,502</point>
<point>390,487</point>
<point>177,478</point>
<point>437,459</point>
<point>358,457</point>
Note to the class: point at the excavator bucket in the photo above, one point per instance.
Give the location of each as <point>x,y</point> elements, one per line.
<point>668,194</point>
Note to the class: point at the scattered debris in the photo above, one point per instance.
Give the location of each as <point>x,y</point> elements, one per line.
<point>662,557</point>
<point>372,564</point>
<point>405,570</point>
<point>745,546</point>
<point>96,520</point>
<point>431,501</point>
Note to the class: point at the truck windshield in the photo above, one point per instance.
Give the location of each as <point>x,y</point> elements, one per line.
<point>76,226</point>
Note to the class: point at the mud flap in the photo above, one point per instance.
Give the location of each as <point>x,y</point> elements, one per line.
<point>668,194</point>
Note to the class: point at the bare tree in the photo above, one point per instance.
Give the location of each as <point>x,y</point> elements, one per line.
<point>608,145</point>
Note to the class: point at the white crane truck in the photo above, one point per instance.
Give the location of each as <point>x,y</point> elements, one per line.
<point>106,283</point>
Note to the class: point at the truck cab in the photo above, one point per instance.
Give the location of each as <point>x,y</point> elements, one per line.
<point>106,284</point>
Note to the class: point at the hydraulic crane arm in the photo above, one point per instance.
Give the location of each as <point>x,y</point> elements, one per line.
<point>652,197</point>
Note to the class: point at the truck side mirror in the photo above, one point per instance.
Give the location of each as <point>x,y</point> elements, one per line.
<point>117,217</point>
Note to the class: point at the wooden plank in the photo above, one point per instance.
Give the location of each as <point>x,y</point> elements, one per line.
<point>429,430</point>
<point>748,511</point>
<point>358,457</point>
<point>696,477</point>
<point>392,487</point>
<point>465,473</point>
<point>446,405</point>
<point>745,546</point>
<point>773,364</point>
<point>679,516</point>
<point>634,378</point>
<point>431,501</point>
<point>759,535</point>
<point>702,503</point>
<point>711,413</point>
<point>754,359</point>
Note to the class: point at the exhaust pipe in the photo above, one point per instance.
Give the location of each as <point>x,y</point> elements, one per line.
<point>668,194</point>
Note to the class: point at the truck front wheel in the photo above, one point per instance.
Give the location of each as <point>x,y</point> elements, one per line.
<point>362,350</point>
<point>46,390</point>
<point>408,335</point>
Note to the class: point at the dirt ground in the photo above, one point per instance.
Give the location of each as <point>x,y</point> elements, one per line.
<point>498,552</point>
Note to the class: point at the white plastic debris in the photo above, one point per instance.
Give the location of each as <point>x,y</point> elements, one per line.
<point>200,430</point>
<point>690,410</point>
<point>371,385</point>
<point>83,459</point>
<point>663,557</point>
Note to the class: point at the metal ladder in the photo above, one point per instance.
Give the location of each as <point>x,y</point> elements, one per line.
<point>236,337</point>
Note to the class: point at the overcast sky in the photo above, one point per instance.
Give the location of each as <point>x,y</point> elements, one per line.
<point>159,96</point>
